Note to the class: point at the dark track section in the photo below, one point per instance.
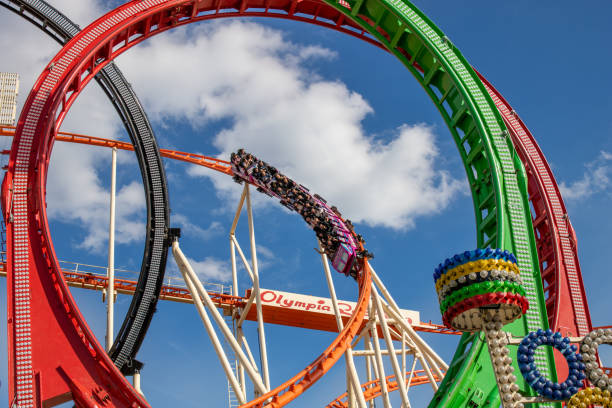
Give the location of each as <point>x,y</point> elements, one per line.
<point>120,93</point>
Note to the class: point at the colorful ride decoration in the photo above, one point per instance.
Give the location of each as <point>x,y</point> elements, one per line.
<point>537,381</point>
<point>474,281</point>
<point>591,396</point>
<point>588,348</point>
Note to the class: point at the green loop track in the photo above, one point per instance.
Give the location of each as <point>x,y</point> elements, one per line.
<point>495,173</point>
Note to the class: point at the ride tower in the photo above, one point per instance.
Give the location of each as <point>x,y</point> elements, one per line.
<point>9,88</point>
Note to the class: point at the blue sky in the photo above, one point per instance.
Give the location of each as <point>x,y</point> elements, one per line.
<point>319,104</point>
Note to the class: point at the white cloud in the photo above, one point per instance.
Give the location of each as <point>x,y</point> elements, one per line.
<point>75,195</point>
<point>189,229</point>
<point>209,270</point>
<point>595,179</point>
<point>308,127</point>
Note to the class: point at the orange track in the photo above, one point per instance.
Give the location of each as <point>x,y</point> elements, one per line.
<point>372,389</point>
<point>219,165</point>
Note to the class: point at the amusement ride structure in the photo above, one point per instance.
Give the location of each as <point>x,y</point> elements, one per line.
<point>521,289</point>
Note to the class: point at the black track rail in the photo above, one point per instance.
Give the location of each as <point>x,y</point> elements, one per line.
<point>127,105</point>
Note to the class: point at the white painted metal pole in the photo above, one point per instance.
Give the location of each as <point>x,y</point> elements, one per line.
<point>136,379</point>
<point>368,347</point>
<point>399,375</point>
<point>350,364</point>
<point>244,260</point>
<point>419,344</point>
<point>240,366</point>
<point>409,383</point>
<point>238,210</point>
<point>263,350</point>
<point>234,270</point>
<point>403,351</point>
<point>394,310</point>
<point>187,270</point>
<point>213,338</point>
<point>110,290</point>
<point>380,368</point>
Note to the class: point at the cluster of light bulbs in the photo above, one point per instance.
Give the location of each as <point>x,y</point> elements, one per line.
<point>502,365</point>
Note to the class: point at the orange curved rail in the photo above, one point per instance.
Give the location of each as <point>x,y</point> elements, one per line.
<point>219,165</point>
<point>372,389</point>
<point>292,388</point>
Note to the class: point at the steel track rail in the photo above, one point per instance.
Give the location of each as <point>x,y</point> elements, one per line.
<point>126,103</point>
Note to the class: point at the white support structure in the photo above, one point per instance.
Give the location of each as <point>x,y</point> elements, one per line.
<point>184,267</point>
<point>380,367</point>
<point>110,298</point>
<point>399,375</point>
<point>136,379</point>
<point>354,386</point>
<point>384,319</point>
<point>199,295</point>
<point>263,352</point>
<point>9,88</point>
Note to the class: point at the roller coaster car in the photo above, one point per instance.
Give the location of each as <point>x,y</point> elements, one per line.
<point>344,259</point>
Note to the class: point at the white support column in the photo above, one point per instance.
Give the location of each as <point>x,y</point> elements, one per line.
<point>399,375</point>
<point>348,355</point>
<point>200,292</point>
<point>395,313</point>
<point>234,269</point>
<point>424,352</point>
<point>403,351</point>
<point>263,352</point>
<point>368,347</point>
<point>238,210</point>
<point>110,298</point>
<point>379,366</point>
<point>244,260</point>
<point>136,379</point>
<point>414,360</point>
<point>213,335</point>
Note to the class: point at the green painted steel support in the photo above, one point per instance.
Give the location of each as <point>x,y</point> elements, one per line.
<point>495,174</point>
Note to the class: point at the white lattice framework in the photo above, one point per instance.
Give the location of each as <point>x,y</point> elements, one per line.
<point>387,339</point>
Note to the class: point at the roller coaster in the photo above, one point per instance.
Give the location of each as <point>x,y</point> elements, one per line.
<point>506,171</point>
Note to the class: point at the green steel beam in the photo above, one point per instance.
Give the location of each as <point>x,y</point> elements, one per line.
<point>496,176</point>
